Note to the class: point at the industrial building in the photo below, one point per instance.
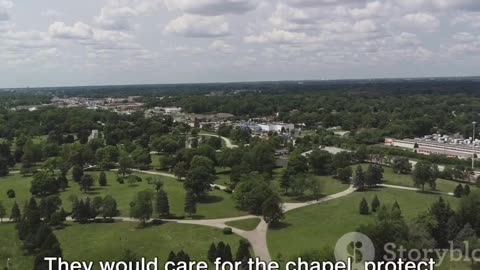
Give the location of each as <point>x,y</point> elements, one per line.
<point>428,147</point>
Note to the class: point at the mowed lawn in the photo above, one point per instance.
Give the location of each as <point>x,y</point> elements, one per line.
<point>218,203</point>
<point>10,247</point>
<point>248,224</point>
<point>319,226</point>
<point>392,178</point>
<point>329,186</point>
<point>96,242</point>
<point>108,242</point>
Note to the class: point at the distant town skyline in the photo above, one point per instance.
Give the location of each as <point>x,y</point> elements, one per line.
<point>114,42</point>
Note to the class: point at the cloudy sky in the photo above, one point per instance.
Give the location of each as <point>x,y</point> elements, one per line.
<point>90,42</point>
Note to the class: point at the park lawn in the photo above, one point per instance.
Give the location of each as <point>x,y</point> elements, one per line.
<point>156,163</point>
<point>222,179</point>
<point>222,170</point>
<point>248,224</point>
<point>218,204</point>
<point>96,242</point>
<point>10,247</point>
<point>108,242</point>
<point>332,185</point>
<point>392,178</point>
<point>21,186</point>
<point>319,226</point>
<point>329,184</point>
<point>39,139</point>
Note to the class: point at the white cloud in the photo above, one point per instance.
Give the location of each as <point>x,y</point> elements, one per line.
<point>290,18</point>
<point>365,26</point>
<point>245,61</point>
<point>317,3</point>
<point>423,53</point>
<point>198,26</point>
<point>421,20</point>
<point>79,30</point>
<point>441,4</point>
<point>464,37</point>
<point>52,13</point>
<point>4,7</point>
<point>372,9</point>
<point>471,19</point>
<point>286,36</point>
<point>187,51</point>
<point>4,16</point>
<point>279,36</point>
<point>118,14</point>
<point>464,44</point>
<point>115,18</point>
<point>221,46</point>
<point>406,40</point>
<point>212,7</point>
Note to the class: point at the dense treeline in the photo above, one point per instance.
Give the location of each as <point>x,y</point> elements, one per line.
<point>372,116</point>
<point>372,109</point>
<point>12,99</point>
<point>382,86</point>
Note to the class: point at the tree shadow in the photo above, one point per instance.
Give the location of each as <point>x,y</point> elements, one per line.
<point>61,227</point>
<point>154,223</point>
<point>279,226</point>
<point>227,172</point>
<point>310,197</point>
<point>211,199</point>
<point>92,192</point>
<point>195,217</point>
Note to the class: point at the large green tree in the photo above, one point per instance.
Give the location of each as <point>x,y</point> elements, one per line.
<point>142,206</point>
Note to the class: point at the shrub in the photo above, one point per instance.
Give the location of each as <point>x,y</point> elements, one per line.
<point>103,179</point>
<point>364,207</point>
<point>375,204</point>
<point>458,192</point>
<point>227,230</point>
<point>11,193</point>
<point>466,190</point>
<point>120,180</point>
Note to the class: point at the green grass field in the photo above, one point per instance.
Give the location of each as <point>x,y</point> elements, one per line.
<point>222,179</point>
<point>156,161</point>
<point>406,180</point>
<point>107,242</point>
<point>10,247</point>
<point>217,204</point>
<point>330,186</point>
<point>317,226</point>
<point>248,224</point>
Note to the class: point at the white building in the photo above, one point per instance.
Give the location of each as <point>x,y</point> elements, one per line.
<point>276,127</point>
<point>171,110</point>
<point>93,135</point>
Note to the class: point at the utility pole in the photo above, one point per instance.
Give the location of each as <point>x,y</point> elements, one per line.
<point>473,146</point>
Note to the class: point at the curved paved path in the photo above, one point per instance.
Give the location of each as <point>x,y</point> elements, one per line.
<point>170,175</point>
<point>228,142</point>
<point>417,189</point>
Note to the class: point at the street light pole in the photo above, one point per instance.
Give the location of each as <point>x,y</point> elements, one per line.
<point>473,146</point>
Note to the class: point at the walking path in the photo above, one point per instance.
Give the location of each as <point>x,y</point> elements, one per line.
<point>228,142</point>
<point>418,189</point>
<point>173,176</point>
